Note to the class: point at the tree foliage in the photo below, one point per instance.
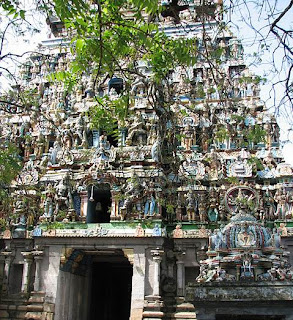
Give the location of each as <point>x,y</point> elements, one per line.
<point>109,38</point>
<point>10,165</point>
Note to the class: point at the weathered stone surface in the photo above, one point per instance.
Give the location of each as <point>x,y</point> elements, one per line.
<point>3,314</point>
<point>34,315</point>
<point>241,292</point>
<point>49,307</point>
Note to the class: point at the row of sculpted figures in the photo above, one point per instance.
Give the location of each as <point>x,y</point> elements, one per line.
<point>153,198</point>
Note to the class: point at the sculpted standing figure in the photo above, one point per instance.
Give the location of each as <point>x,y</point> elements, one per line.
<point>247,270</point>
<point>67,138</point>
<point>48,203</point>
<point>133,191</point>
<point>214,164</point>
<point>150,206</point>
<point>202,207</point>
<point>213,207</point>
<point>269,205</point>
<point>188,136</point>
<point>290,205</point>
<point>137,134</point>
<point>40,145</point>
<point>281,199</point>
<point>54,151</point>
<point>204,139</point>
<point>190,206</point>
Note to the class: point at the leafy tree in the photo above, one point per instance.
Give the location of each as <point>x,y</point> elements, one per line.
<point>10,165</point>
<point>109,38</point>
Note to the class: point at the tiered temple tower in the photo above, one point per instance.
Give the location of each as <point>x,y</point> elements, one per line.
<point>180,216</point>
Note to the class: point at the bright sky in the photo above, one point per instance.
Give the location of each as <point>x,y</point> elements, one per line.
<point>249,14</point>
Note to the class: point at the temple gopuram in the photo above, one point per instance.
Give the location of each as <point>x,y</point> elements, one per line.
<point>185,213</point>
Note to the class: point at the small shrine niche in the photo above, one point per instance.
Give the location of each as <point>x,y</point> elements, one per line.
<point>15,278</point>
<point>116,84</point>
<point>99,203</point>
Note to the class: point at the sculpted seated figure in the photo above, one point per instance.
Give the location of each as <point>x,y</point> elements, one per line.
<point>245,238</point>
<point>247,270</point>
<point>207,274</point>
<point>137,133</point>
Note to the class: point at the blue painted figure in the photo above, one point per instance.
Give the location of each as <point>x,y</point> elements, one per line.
<point>157,232</point>
<point>37,232</point>
<point>150,206</point>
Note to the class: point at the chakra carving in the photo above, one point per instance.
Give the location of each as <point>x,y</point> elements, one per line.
<point>241,198</point>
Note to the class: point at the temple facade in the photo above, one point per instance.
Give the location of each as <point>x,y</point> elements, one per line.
<point>185,213</point>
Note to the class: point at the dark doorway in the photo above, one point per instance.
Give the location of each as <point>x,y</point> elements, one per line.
<point>111,291</point>
<point>99,204</point>
<point>15,278</point>
<point>248,317</point>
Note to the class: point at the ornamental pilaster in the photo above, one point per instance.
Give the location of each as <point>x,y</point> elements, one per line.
<point>157,256</point>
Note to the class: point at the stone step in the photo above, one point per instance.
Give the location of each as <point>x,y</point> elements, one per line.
<point>34,315</point>
<point>12,315</point>
<point>36,300</point>
<point>23,308</point>
<point>37,308</point>
<point>182,316</point>
<point>13,307</point>
<point>38,293</point>
<point>4,314</point>
<point>16,301</point>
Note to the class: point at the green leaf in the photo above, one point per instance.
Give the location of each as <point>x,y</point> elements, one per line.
<point>79,44</point>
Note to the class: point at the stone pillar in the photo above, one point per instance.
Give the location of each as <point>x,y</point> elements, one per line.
<point>180,274</point>
<point>7,263</point>
<point>138,283</point>
<point>114,205</point>
<point>38,256</point>
<point>84,203</point>
<point>27,257</point>
<point>157,258</point>
<point>238,272</point>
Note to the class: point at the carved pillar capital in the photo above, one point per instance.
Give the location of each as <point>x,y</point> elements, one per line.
<point>157,254</point>
<point>27,256</point>
<point>7,255</point>
<point>179,256</point>
<point>38,254</point>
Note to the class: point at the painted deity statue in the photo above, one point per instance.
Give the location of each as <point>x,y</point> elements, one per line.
<point>202,207</point>
<point>49,201</point>
<point>190,206</point>
<point>150,207</point>
<point>281,199</point>
<point>269,205</point>
<point>213,207</point>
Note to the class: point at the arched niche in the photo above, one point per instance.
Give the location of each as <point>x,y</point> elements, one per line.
<point>99,203</point>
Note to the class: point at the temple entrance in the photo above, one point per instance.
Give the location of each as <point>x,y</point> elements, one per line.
<point>99,204</point>
<point>111,288</point>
